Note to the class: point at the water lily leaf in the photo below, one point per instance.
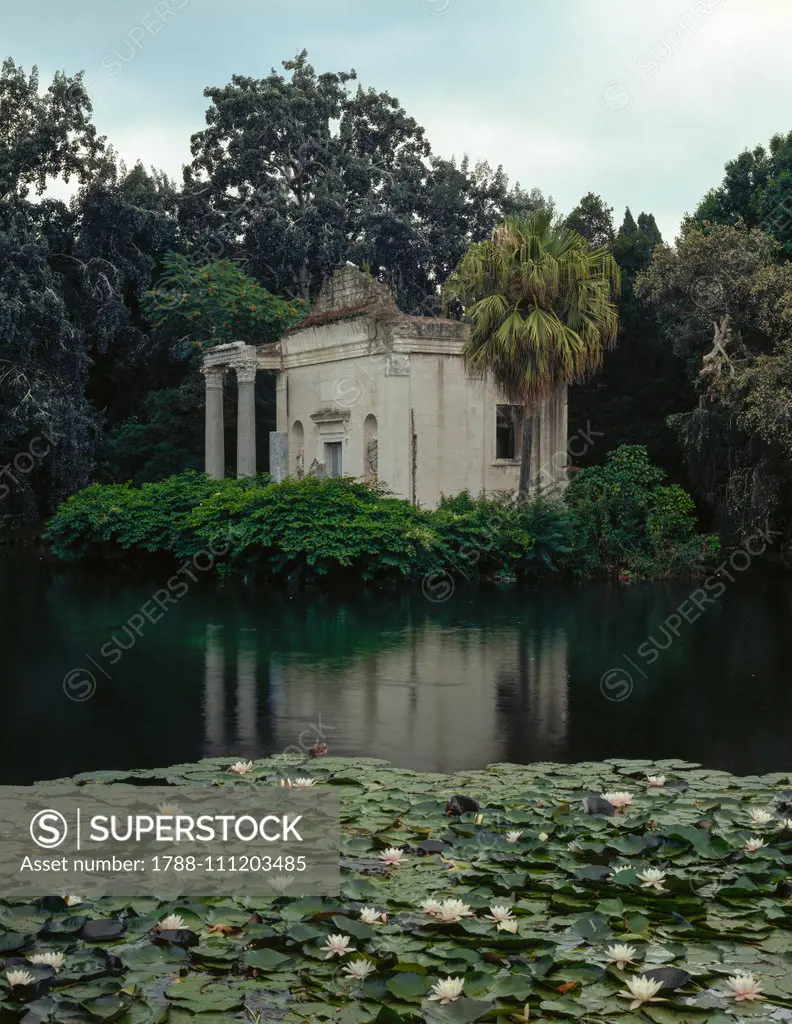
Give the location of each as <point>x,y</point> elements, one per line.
<point>102,930</point>
<point>671,977</point>
<point>14,940</point>
<point>594,927</point>
<point>565,1005</point>
<point>593,873</point>
<point>349,926</point>
<point>266,959</point>
<point>387,1016</point>
<point>461,1011</point>
<point>408,986</point>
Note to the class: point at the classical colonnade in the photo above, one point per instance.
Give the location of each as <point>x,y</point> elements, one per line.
<point>244,363</point>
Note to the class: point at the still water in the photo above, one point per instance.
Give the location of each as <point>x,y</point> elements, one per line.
<point>487,675</point>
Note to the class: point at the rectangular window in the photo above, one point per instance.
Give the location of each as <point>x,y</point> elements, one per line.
<point>507,431</point>
<point>333,457</point>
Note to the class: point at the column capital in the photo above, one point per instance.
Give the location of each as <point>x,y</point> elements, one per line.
<point>245,372</point>
<point>244,363</point>
<point>213,375</point>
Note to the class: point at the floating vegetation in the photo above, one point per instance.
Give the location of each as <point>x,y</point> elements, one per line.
<point>590,892</point>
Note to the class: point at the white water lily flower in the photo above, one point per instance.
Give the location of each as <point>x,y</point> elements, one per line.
<point>447,990</point>
<point>574,847</point>
<point>431,907</point>
<point>304,783</point>
<point>745,986</point>
<point>368,915</point>
<point>618,870</point>
<point>620,954</point>
<point>285,783</point>
<point>241,767</point>
<point>72,899</point>
<point>499,912</point>
<point>651,878</point>
<point>642,990</point>
<point>513,836</point>
<point>359,968</point>
<point>479,819</point>
<point>543,837</point>
<point>169,809</point>
<point>759,816</point>
<point>655,780</point>
<point>51,959</point>
<point>787,824</point>
<point>281,882</point>
<point>337,945</point>
<point>173,922</point>
<point>509,925</point>
<point>618,799</point>
<point>19,978</point>
<point>753,844</point>
<point>392,856</point>
<point>452,911</point>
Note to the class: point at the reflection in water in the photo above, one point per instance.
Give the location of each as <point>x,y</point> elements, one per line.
<point>214,693</point>
<point>489,675</point>
<point>427,702</point>
<point>245,725</point>
<point>247,700</point>
<point>532,698</point>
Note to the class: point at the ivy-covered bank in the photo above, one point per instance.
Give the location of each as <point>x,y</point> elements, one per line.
<point>619,891</point>
<point>617,519</point>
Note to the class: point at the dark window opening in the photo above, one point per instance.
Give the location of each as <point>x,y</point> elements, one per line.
<point>507,431</point>
<point>333,458</point>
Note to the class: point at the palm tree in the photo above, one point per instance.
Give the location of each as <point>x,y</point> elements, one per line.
<point>539,302</point>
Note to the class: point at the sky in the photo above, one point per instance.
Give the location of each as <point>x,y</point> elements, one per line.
<point>641,101</point>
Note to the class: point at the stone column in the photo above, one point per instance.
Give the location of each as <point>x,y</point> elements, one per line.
<point>246,420</point>
<point>215,437</point>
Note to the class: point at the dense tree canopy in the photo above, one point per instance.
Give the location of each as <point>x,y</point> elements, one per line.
<point>292,175</point>
<point>297,173</point>
<point>756,189</point>
<point>724,300</point>
<point>593,219</point>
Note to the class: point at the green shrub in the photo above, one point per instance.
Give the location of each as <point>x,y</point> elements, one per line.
<point>626,521</point>
<point>615,518</point>
<point>311,529</point>
<point>104,520</point>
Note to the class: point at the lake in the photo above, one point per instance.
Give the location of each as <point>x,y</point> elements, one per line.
<point>497,674</point>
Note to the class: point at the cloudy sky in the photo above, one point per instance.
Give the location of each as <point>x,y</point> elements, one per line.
<point>642,101</point>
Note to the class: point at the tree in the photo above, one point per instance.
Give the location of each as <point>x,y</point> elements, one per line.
<point>297,174</point>
<point>44,134</point>
<point>215,303</point>
<point>643,381</point>
<point>43,357</point>
<point>757,190</point>
<point>592,219</point>
<point>286,170</point>
<point>540,303</point>
<point>725,302</point>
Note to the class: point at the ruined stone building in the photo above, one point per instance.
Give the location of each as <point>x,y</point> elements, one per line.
<point>365,391</point>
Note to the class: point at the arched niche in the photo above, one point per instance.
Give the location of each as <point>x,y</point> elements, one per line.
<point>370,448</point>
<point>297,446</point>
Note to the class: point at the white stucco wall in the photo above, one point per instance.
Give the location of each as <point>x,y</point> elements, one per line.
<point>356,356</point>
<point>453,417</point>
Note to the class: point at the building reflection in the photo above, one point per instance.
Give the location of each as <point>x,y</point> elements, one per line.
<point>231,720</point>
<point>432,698</point>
